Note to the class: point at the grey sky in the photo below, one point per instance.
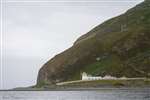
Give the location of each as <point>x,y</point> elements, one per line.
<point>33,32</point>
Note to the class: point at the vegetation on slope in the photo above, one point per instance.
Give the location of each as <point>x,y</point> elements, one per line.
<point>118,47</point>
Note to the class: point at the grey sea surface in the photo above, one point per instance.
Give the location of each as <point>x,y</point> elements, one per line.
<point>98,94</point>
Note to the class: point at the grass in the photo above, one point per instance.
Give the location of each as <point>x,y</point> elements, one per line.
<point>100,83</point>
<point>111,63</point>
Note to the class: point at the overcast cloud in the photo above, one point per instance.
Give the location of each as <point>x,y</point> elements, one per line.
<point>33,32</point>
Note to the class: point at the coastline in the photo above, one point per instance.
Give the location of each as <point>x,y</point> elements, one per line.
<point>82,89</point>
<point>90,85</point>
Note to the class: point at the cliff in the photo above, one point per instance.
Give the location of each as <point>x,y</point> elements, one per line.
<point>117,47</point>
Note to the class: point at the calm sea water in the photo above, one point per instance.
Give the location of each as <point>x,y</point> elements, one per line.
<point>102,94</point>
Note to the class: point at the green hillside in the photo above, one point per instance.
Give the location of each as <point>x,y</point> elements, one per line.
<point>118,47</point>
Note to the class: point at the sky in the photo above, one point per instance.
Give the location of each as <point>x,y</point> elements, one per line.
<point>35,31</point>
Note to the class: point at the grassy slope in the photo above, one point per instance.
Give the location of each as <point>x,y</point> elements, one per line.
<point>136,39</point>
<point>123,52</point>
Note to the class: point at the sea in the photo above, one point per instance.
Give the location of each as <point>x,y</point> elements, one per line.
<point>97,94</point>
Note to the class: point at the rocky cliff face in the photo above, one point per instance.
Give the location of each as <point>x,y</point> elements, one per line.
<point>118,47</point>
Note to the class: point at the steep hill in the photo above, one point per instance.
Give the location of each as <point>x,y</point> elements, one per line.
<point>118,47</point>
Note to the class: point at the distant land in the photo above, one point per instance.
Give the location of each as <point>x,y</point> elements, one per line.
<point>118,47</point>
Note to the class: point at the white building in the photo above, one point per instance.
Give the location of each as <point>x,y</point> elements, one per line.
<point>87,77</point>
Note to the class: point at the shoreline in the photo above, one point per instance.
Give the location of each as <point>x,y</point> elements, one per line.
<point>117,79</point>
<point>89,85</point>
<point>81,89</point>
